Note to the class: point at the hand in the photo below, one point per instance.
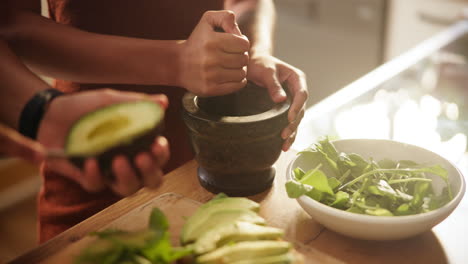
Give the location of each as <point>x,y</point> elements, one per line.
<point>65,110</point>
<point>12,143</point>
<point>270,72</point>
<point>213,63</point>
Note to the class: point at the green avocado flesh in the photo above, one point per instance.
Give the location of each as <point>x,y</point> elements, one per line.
<point>234,232</point>
<point>223,217</point>
<point>203,214</point>
<point>229,230</point>
<point>286,258</point>
<point>245,251</point>
<point>111,126</point>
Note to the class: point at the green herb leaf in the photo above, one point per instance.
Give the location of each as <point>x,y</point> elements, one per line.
<point>379,212</point>
<point>323,153</point>
<point>151,245</point>
<point>404,209</point>
<point>421,189</point>
<point>334,183</point>
<point>296,189</point>
<point>158,221</point>
<point>341,199</point>
<point>315,194</point>
<point>318,180</point>
<point>298,173</point>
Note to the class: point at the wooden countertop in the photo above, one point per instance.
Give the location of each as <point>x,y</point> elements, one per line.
<point>317,243</point>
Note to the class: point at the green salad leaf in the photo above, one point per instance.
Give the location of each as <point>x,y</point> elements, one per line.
<point>349,182</point>
<point>147,246</point>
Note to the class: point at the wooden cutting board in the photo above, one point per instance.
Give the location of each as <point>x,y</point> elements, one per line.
<point>177,208</point>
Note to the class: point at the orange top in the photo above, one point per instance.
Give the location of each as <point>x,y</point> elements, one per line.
<point>63,203</point>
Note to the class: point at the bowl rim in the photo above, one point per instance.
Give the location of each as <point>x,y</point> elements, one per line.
<point>190,106</point>
<point>447,208</point>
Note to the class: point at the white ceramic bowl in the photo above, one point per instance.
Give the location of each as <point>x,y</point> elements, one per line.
<point>383,227</point>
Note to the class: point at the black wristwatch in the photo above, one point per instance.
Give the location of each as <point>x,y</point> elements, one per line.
<point>34,110</point>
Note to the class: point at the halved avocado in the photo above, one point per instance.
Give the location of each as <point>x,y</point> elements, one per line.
<point>126,128</point>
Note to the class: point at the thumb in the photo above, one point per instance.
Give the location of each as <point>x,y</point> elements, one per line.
<point>160,99</point>
<point>225,20</point>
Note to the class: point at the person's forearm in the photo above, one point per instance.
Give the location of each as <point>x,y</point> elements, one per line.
<point>256,21</point>
<point>17,85</point>
<point>68,53</point>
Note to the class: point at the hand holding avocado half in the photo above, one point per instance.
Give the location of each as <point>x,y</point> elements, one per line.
<point>128,176</point>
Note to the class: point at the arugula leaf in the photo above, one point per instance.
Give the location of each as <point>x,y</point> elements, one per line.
<point>404,209</point>
<point>355,209</point>
<point>318,180</point>
<point>315,194</point>
<point>158,221</point>
<point>420,191</point>
<point>341,199</point>
<point>324,153</point>
<point>296,189</point>
<point>328,149</point>
<point>379,212</point>
<point>381,188</point>
<point>333,183</point>
<point>298,173</point>
<point>352,162</point>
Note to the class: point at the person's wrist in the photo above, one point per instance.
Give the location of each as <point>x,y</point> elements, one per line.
<point>259,51</point>
<point>34,110</point>
<point>180,61</point>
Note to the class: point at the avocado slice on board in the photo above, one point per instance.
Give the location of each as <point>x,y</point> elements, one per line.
<point>203,215</point>
<point>287,258</point>
<point>222,218</point>
<point>125,128</point>
<point>234,232</point>
<point>246,250</point>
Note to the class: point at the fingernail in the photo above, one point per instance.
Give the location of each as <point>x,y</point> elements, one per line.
<point>282,93</point>
<point>280,96</point>
<point>161,141</point>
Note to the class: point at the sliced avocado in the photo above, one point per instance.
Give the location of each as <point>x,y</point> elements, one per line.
<point>234,232</point>
<point>124,128</point>
<point>287,258</point>
<point>203,214</point>
<point>245,251</point>
<point>221,218</point>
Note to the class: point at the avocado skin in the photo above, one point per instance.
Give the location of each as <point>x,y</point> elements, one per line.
<point>130,149</point>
